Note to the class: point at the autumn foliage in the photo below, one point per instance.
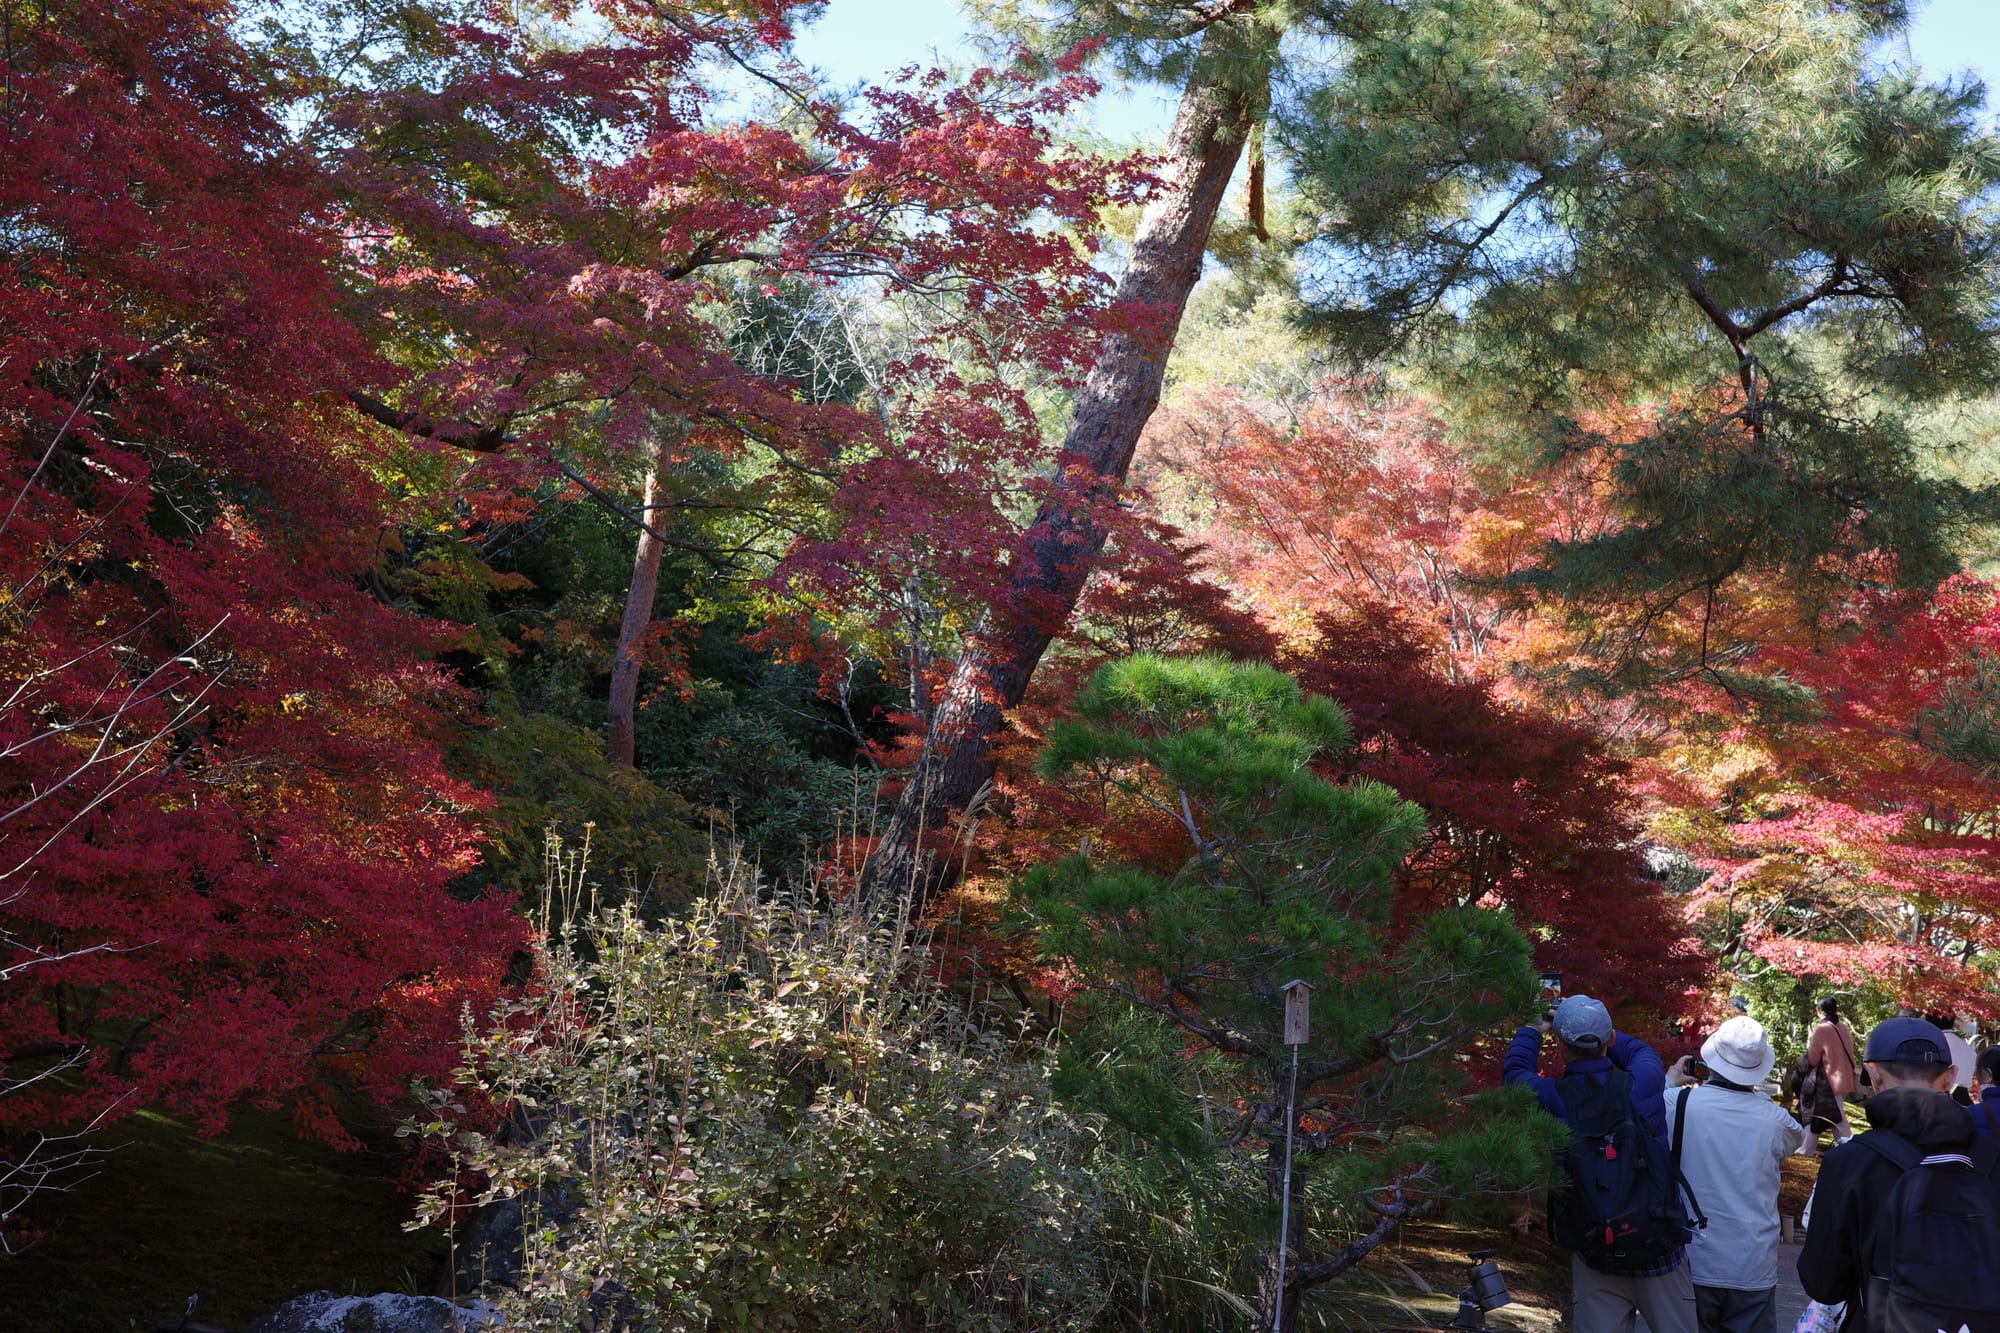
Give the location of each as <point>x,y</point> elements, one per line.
<point>1849,828</point>
<point>228,829</point>
<point>264,316</point>
<point>1824,757</point>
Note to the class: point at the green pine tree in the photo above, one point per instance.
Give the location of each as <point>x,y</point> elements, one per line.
<point>1738,211</point>
<point>1279,874</point>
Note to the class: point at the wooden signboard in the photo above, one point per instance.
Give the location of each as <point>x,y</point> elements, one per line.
<point>1298,1011</point>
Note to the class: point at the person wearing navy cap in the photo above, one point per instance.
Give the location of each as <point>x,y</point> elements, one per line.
<point>1852,1244</point>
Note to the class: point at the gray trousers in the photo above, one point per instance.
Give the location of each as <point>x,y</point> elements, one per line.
<point>1606,1303</point>
<point>1723,1310</point>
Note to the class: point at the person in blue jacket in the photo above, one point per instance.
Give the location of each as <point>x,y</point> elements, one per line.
<point>1985,1108</point>
<point>1594,1049</point>
<point>1605,1302</point>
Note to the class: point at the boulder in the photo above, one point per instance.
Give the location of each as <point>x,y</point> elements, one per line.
<point>391,1312</point>
<point>492,1243</point>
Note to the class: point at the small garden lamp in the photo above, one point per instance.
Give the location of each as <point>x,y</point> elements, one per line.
<point>1485,1290</point>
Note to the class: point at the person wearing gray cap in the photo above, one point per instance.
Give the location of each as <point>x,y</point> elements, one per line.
<point>1906,1217</point>
<point>1611,1095</point>
<point>1734,1142</point>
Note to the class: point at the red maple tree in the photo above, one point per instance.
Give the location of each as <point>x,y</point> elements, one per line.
<point>1852,825</point>
<point>226,827</point>
<point>237,252</point>
<point>1525,811</point>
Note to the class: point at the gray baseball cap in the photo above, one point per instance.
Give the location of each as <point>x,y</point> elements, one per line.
<point>1583,1023</point>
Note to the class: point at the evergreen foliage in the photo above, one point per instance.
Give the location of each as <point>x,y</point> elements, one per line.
<point>1178,963</point>
<point>1732,211</point>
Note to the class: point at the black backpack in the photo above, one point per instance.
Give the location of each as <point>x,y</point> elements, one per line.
<point>1622,1210</point>
<point>1937,1243</point>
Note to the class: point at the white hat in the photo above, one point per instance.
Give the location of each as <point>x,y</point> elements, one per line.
<point>1739,1051</point>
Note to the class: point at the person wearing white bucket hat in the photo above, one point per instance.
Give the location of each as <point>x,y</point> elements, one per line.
<point>1733,1139</point>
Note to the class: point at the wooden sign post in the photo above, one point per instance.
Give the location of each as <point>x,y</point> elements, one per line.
<point>1298,1012</point>
<point>1298,1025</point>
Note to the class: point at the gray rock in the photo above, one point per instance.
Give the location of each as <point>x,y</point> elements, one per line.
<point>391,1312</point>
<point>491,1247</point>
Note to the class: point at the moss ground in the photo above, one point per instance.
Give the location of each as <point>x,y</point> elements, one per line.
<point>247,1220</point>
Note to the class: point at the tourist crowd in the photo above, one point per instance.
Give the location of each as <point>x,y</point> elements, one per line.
<point>1669,1203</point>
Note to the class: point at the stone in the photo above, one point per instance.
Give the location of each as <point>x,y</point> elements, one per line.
<point>492,1243</point>
<point>391,1312</point>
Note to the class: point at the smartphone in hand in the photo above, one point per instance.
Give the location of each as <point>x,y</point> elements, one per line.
<point>1552,993</point>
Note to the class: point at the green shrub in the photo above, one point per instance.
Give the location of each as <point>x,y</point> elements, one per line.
<point>769,1116</point>
<point>546,774</point>
<point>1268,872</point>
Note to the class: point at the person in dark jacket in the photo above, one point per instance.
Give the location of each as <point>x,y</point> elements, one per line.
<point>1985,1109</point>
<point>1605,1302</point>
<point>1910,1065</point>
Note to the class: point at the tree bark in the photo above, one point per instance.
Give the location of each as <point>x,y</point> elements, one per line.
<point>1059,550</point>
<point>622,743</point>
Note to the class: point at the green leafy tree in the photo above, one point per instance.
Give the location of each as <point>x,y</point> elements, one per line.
<point>1731,215</point>
<point>1275,874</point>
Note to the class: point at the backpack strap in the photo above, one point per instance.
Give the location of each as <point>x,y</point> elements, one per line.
<point>1572,1091</point>
<point>1897,1149</point>
<point>1985,1155</point>
<point>1699,1219</point>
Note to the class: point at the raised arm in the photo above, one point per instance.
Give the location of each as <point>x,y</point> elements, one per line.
<point>1523,1065</point>
<point>1649,1078</point>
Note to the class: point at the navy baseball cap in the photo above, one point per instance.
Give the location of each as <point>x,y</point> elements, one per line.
<point>1909,1041</point>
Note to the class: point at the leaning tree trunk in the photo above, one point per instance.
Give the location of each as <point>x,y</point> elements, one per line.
<point>622,745</point>
<point>1062,546</point>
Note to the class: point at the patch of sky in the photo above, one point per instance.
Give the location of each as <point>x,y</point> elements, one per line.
<point>855,42</point>
<point>1951,37</point>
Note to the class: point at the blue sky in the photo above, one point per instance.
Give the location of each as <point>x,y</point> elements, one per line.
<point>863,40</point>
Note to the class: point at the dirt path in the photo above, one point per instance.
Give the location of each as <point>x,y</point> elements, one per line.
<point>1791,1297</point>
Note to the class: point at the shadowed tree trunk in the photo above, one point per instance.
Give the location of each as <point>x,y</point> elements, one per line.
<point>1282,1310</point>
<point>622,745</point>
<point>1062,546</point>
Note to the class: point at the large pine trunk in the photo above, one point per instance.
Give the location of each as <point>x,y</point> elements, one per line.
<point>1063,545</point>
<point>622,715</point>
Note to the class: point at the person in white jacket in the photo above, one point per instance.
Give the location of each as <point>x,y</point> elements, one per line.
<point>1733,1141</point>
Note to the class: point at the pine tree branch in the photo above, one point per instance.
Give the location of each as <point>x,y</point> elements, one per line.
<point>1717,315</point>
<point>1399,1209</point>
<point>1831,286</point>
<point>1206,16</point>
